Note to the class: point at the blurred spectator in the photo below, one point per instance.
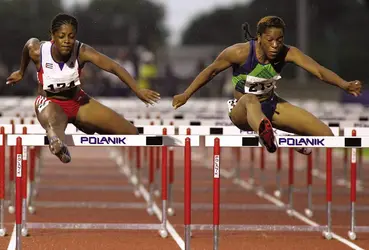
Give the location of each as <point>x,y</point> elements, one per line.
<point>147,70</point>
<point>116,86</point>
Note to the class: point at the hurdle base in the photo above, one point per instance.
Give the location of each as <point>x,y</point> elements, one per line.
<point>93,226</point>
<point>257,228</point>
<point>3,232</point>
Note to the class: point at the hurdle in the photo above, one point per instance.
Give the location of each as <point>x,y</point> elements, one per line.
<point>232,130</point>
<point>22,141</point>
<point>353,174</point>
<point>72,130</point>
<point>289,142</point>
<point>147,130</point>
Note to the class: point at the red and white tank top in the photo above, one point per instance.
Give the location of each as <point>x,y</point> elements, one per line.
<point>57,77</point>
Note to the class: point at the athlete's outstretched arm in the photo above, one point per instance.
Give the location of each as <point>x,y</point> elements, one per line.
<point>221,63</point>
<point>28,52</point>
<point>89,54</point>
<point>299,58</point>
<point>224,60</point>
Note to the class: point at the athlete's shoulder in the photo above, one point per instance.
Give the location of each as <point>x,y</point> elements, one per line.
<point>83,47</point>
<point>33,44</point>
<point>237,53</point>
<point>240,48</point>
<point>292,52</point>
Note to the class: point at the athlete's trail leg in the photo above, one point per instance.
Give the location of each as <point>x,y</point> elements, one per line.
<point>296,120</point>
<point>95,117</point>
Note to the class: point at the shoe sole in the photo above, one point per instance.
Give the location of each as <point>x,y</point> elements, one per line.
<point>272,146</point>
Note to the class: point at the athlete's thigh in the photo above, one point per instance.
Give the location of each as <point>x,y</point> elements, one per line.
<point>50,115</point>
<point>95,117</point>
<point>298,121</point>
<point>238,116</point>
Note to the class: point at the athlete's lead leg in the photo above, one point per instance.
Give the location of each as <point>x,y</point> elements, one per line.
<point>53,119</point>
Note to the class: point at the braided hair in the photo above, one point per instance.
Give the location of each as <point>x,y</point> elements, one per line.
<point>62,19</point>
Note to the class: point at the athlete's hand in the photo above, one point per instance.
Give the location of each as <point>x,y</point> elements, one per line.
<point>354,88</point>
<point>14,77</point>
<point>179,100</point>
<point>148,96</point>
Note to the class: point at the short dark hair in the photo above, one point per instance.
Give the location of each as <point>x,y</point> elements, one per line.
<point>263,24</point>
<point>269,22</point>
<point>62,19</point>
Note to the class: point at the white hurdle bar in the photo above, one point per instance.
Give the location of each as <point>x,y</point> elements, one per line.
<point>22,141</point>
<point>292,141</point>
<point>283,141</point>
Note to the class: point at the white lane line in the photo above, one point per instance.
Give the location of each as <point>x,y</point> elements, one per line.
<point>11,245</point>
<point>145,194</point>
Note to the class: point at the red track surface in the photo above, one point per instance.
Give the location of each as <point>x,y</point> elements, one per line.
<point>93,167</point>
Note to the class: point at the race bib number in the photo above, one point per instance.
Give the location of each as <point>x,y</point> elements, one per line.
<point>255,87</point>
<point>57,87</point>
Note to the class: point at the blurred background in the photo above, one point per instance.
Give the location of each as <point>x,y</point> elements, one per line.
<point>164,44</point>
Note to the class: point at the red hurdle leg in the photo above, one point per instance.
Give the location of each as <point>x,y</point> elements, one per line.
<point>359,179</point>
<point>157,171</point>
<point>138,172</point>
<point>171,211</point>
<point>38,168</point>
<point>262,167</point>
<point>216,193</point>
<point>345,163</point>
<point>251,167</point>
<point>32,164</point>
<point>351,233</point>
<point>238,163</point>
<point>2,182</point>
<point>151,181</point>
<point>187,193</point>
<point>328,234</point>
<point>309,209</point>
<point>291,162</point>
<point>18,194</point>
<point>12,163</point>
<point>24,186</point>
<point>164,188</point>
<point>278,191</point>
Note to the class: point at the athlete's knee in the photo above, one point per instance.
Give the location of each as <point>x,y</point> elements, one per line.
<point>135,131</point>
<point>53,120</point>
<point>327,132</point>
<point>132,130</point>
<point>324,131</point>
<point>248,99</point>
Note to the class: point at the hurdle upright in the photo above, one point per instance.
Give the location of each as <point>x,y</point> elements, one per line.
<point>2,182</point>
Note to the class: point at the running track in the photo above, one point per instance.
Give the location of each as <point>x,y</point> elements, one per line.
<point>94,178</point>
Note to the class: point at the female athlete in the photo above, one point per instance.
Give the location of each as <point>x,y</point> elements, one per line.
<point>61,99</point>
<point>257,65</point>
